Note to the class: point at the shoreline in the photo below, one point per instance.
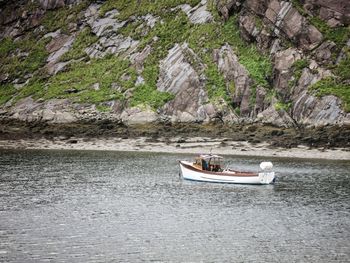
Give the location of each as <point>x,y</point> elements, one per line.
<point>194,145</point>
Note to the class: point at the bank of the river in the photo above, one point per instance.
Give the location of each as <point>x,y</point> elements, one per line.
<point>328,142</point>
<point>178,145</point>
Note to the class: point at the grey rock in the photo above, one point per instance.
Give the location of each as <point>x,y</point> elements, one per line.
<point>227,7</point>
<point>138,58</point>
<point>55,34</point>
<point>248,29</point>
<point>51,4</point>
<point>115,44</point>
<point>24,109</point>
<point>96,86</point>
<point>257,7</point>
<point>312,111</point>
<point>276,118</point>
<point>334,12</point>
<point>309,76</point>
<point>198,14</point>
<point>150,20</point>
<point>323,53</point>
<point>139,81</point>
<point>53,68</point>
<point>103,26</point>
<point>232,70</point>
<point>283,61</point>
<point>179,77</point>
<point>58,46</point>
<point>286,20</point>
<point>136,115</point>
<point>175,72</point>
<point>52,111</point>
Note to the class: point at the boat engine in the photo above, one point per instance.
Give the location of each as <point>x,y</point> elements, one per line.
<point>266,166</point>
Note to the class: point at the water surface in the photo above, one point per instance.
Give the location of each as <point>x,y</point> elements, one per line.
<point>86,206</point>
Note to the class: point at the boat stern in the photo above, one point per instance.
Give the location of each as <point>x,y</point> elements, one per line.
<point>267,175</point>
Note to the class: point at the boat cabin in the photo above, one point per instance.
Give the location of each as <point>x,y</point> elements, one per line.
<point>209,162</point>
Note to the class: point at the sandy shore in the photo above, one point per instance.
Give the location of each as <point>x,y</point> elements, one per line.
<point>178,145</point>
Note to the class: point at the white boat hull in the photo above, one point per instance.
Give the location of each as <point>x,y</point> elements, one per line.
<point>189,172</point>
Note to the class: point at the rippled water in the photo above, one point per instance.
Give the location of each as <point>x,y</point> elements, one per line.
<point>76,206</point>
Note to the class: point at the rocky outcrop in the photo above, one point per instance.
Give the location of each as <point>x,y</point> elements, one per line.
<point>178,76</point>
<point>137,115</point>
<point>57,47</point>
<point>52,111</point>
<point>227,7</point>
<point>308,109</point>
<point>282,71</point>
<point>52,4</point>
<point>106,28</point>
<point>198,14</point>
<point>288,21</point>
<point>278,118</point>
<point>233,71</point>
<point>334,12</point>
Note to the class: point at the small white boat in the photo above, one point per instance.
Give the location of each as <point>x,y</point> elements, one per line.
<point>208,168</point>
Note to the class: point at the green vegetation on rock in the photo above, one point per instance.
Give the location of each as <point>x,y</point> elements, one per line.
<point>338,35</point>
<point>22,57</point>
<point>339,84</point>
<point>100,80</point>
<point>297,68</point>
<point>333,86</point>
<point>258,65</point>
<point>6,93</point>
<point>282,106</point>
<point>60,18</point>
<point>128,8</point>
<point>144,94</point>
<point>84,39</point>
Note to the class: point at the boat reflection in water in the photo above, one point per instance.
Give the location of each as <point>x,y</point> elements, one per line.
<point>208,168</point>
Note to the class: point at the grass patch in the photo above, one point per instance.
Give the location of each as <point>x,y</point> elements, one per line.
<point>343,68</point>
<point>84,39</point>
<point>33,56</point>
<point>297,68</point>
<point>6,46</point>
<point>77,83</point>
<point>283,106</point>
<point>6,93</point>
<point>128,8</point>
<point>333,86</point>
<point>60,18</point>
<point>134,29</point>
<point>145,94</point>
<point>215,85</point>
<point>338,85</point>
<point>258,65</point>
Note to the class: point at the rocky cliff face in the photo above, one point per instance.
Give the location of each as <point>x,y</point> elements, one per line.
<point>284,63</point>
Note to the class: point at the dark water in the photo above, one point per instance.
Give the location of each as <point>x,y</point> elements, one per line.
<point>76,206</point>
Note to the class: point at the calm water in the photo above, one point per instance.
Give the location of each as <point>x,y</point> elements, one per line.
<point>76,206</point>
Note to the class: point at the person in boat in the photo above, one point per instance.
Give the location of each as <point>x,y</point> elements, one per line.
<point>210,163</point>
<point>205,166</point>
